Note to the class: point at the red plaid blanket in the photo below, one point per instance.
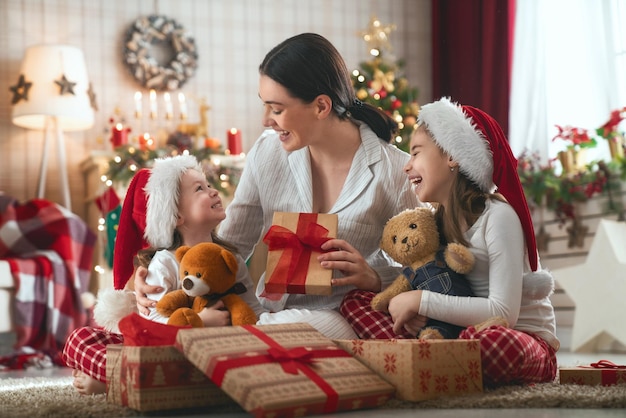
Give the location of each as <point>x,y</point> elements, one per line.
<point>50,252</point>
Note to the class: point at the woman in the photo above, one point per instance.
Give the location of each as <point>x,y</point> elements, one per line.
<point>324,152</point>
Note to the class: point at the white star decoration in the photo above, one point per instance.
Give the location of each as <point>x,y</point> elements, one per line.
<point>598,288</point>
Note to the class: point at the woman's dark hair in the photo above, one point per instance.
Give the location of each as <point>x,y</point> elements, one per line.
<point>308,65</point>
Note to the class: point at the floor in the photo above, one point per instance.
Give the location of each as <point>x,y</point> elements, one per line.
<point>565,358</point>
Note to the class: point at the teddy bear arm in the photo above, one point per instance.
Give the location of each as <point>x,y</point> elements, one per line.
<point>380,302</point>
<point>240,312</point>
<point>172,301</point>
<point>459,258</point>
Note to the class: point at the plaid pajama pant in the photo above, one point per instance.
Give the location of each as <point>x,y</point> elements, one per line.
<point>508,356</point>
<point>85,350</point>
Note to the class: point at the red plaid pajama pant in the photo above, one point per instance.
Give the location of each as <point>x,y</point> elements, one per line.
<point>85,350</point>
<point>508,356</point>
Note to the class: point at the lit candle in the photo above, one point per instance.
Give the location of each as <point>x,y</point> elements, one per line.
<point>183,106</point>
<point>119,135</point>
<point>153,105</point>
<point>169,111</point>
<point>146,142</point>
<point>234,141</point>
<point>138,105</point>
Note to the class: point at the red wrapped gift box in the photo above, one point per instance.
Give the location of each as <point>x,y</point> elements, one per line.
<point>283,370</point>
<point>293,242</point>
<point>603,373</point>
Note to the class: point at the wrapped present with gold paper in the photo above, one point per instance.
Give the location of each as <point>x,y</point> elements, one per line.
<point>422,369</point>
<point>283,370</point>
<point>294,241</point>
<point>603,372</point>
<point>144,375</point>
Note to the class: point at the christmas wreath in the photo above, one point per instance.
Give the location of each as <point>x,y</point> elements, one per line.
<point>160,53</point>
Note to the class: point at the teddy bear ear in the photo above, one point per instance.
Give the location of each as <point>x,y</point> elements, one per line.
<point>230,260</point>
<point>181,251</point>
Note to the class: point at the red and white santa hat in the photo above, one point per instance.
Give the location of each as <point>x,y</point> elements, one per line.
<point>477,143</point>
<point>132,224</point>
<point>163,191</point>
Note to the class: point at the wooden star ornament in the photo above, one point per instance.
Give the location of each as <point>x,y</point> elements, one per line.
<point>92,97</point>
<point>65,85</point>
<point>597,288</point>
<point>20,90</point>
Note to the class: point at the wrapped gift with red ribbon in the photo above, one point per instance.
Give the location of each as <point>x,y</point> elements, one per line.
<point>294,241</point>
<point>283,370</point>
<point>603,372</point>
<point>148,373</point>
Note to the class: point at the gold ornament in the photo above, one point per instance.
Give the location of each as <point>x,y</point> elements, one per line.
<point>377,35</point>
<point>361,94</point>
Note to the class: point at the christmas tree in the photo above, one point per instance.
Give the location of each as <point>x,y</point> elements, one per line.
<point>380,82</point>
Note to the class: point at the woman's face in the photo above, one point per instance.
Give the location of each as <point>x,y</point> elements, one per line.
<point>429,169</point>
<point>199,205</point>
<point>290,117</point>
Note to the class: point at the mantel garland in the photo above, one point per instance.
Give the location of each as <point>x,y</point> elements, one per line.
<point>152,31</point>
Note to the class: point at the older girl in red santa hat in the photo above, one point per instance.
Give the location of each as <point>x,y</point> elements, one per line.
<point>462,164</point>
<point>169,206</point>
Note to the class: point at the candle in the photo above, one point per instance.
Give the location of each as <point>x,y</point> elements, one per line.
<point>183,106</point>
<point>153,105</point>
<point>146,142</point>
<point>138,105</point>
<point>169,112</point>
<point>119,135</point>
<point>234,141</point>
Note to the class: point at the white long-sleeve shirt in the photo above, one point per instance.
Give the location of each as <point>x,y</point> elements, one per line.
<point>163,271</point>
<point>497,242</point>
<point>276,180</point>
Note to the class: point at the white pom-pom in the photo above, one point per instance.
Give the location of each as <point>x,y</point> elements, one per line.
<point>538,284</point>
<point>88,300</point>
<point>111,306</point>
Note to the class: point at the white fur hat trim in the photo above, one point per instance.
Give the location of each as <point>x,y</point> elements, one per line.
<point>459,137</point>
<point>163,191</point>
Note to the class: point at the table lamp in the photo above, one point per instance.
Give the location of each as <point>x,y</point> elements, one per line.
<point>53,94</point>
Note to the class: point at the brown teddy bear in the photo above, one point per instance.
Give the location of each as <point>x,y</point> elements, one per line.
<point>208,274</point>
<point>412,239</point>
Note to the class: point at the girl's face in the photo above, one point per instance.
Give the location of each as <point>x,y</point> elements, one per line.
<point>199,205</point>
<point>429,169</point>
<point>289,116</point>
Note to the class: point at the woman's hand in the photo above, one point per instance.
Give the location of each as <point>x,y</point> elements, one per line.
<point>215,315</point>
<point>142,289</point>
<point>404,309</point>
<point>355,270</point>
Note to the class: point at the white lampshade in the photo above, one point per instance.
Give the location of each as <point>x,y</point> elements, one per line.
<point>42,66</point>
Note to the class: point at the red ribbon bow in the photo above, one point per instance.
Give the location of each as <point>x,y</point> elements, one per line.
<point>606,364</point>
<point>293,265</point>
<point>289,359</point>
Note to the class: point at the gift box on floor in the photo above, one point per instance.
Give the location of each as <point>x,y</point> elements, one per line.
<point>603,373</point>
<point>283,370</point>
<point>157,378</point>
<point>293,242</point>
<point>422,369</point>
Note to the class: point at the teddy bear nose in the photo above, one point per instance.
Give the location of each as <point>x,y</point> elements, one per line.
<point>187,284</point>
<point>405,240</point>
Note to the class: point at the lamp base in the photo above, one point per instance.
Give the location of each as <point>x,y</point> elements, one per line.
<point>52,123</point>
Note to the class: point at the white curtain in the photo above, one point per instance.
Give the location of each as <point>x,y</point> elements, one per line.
<point>564,72</point>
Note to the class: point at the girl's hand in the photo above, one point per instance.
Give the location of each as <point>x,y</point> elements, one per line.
<point>215,315</point>
<point>142,289</point>
<point>404,309</point>
<point>351,264</point>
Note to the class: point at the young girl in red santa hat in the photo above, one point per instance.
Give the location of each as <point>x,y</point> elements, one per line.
<point>177,207</point>
<point>462,164</point>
